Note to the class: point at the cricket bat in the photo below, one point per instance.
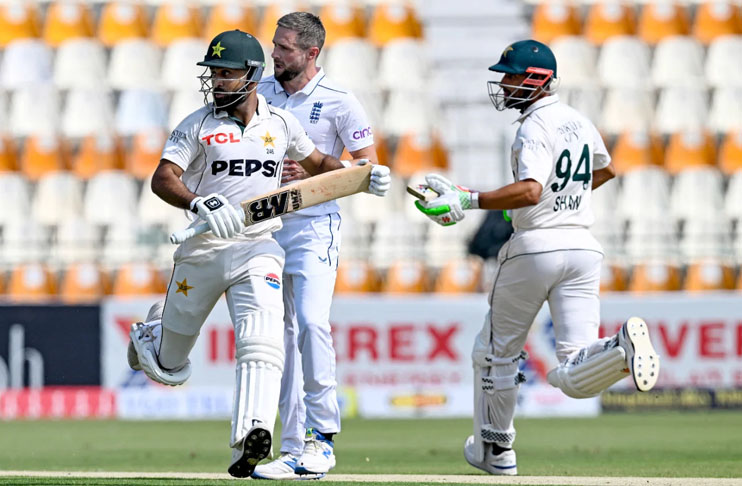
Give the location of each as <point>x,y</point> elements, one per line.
<point>293,197</point>
<point>422,191</point>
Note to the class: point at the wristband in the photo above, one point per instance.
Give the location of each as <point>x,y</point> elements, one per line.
<point>346,163</point>
<point>475,200</point>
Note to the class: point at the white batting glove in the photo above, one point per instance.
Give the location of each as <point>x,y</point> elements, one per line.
<point>223,218</point>
<point>448,208</point>
<point>381,179</point>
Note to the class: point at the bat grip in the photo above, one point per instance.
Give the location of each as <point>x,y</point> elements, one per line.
<point>180,236</point>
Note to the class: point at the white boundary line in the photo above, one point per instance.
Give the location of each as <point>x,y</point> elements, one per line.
<point>407,478</point>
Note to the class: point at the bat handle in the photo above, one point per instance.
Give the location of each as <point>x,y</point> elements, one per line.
<point>180,236</point>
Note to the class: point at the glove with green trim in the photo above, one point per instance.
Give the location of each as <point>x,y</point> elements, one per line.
<point>448,208</point>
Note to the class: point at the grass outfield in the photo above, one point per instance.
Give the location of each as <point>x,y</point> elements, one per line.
<point>649,444</point>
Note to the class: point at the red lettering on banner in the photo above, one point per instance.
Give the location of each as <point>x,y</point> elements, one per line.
<point>400,340</point>
<point>710,339</point>
<point>608,330</point>
<point>362,338</point>
<point>737,378</point>
<point>220,345</point>
<point>58,402</point>
<point>220,138</point>
<point>232,138</point>
<point>208,138</point>
<point>672,347</point>
<point>739,339</point>
<point>213,345</point>
<point>442,342</point>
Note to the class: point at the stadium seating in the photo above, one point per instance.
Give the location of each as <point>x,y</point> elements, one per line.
<point>144,155</point>
<point>8,159</point>
<point>355,276</point>
<point>730,153</point>
<point>97,153</point>
<point>552,20</point>
<point>725,114</point>
<point>680,109</point>
<point>624,63</point>
<point>352,62</point>
<point>67,20</point>
<point>678,61</point>
<point>459,276</point>
<point>175,20</point>
<point>140,110</point>
<point>43,154</point>
<point>135,64</point>
<point>87,112</point>
<point>609,19</point>
<point>708,275</point>
<point>722,66</point>
<point>661,20</point>
<point>31,282</point>
<point>137,279</point>
<point>58,198</point>
<point>80,63</point>
<point>179,69</point>
<point>77,241</point>
<point>636,150</point>
<point>16,192</point>
<point>342,21</point>
<point>390,21</point>
<point>405,277</point>
<point>34,110</point>
<point>122,20</point>
<point>697,193</point>
<point>230,16</point>
<point>109,197</point>
<point>714,19</point>
<point>689,149</point>
<point>403,65</point>
<point>83,282</point>
<point>576,61</point>
<point>654,277</point>
<point>25,62</point>
<point>626,109</point>
<point>613,278</point>
<point>18,21</point>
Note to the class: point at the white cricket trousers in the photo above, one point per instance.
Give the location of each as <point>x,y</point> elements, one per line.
<point>308,387</point>
<point>247,271</point>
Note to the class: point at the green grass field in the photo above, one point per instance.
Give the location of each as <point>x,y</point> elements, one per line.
<point>648,444</point>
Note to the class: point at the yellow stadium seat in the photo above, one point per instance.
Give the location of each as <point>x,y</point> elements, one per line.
<point>392,21</point>
<point>708,275</point>
<point>144,156</point>
<point>416,152</point>
<point>122,20</point>
<point>97,153</point>
<point>654,277</point>
<point>31,282</point>
<point>605,20</point>
<point>637,149</point>
<point>613,278</point>
<point>43,154</point>
<point>342,21</point>
<point>406,276</point>
<point>689,149</point>
<point>715,18</point>
<point>555,19</point>
<point>660,20</point>
<point>8,159</point>
<point>65,20</point>
<point>83,282</point>
<point>18,21</point>
<point>230,16</point>
<point>175,21</point>
<point>459,276</point>
<point>730,153</point>
<point>138,279</point>
<point>356,276</point>
<point>271,14</point>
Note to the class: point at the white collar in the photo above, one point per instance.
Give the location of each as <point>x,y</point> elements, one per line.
<point>546,101</point>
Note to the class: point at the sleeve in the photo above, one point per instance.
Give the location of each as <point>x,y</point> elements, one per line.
<point>300,146</point>
<point>534,153</point>
<point>353,126</point>
<point>601,157</point>
<point>182,146</point>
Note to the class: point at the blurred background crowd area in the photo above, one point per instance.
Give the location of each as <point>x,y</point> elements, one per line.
<point>90,90</point>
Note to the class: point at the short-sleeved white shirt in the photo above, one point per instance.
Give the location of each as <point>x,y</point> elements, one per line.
<point>559,148</point>
<point>219,155</point>
<point>332,117</point>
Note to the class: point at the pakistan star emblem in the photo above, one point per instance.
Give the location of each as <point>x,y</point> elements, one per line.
<point>268,140</point>
<point>183,287</point>
<point>216,49</point>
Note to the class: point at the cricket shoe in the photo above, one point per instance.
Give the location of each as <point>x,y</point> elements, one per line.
<point>502,464</point>
<point>154,314</point>
<point>318,456</point>
<point>641,358</point>
<point>255,447</point>
<point>284,467</point>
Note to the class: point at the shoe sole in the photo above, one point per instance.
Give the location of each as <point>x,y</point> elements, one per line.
<point>255,448</point>
<point>644,362</point>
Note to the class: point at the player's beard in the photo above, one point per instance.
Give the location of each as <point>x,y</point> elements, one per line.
<point>289,72</point>
<point>230,102</point>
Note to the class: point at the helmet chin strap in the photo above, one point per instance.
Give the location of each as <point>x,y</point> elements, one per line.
<point>234,97</point>
<point>534,87</point>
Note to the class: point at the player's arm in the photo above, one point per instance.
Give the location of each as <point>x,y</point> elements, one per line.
<point>601,176</point>
<point>317,163</point>
<point>367,153</point>
<point>519,194</point>
<point>168,186</point>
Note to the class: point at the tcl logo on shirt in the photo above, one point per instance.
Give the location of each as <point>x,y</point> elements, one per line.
<point>361,134</point>
<point>220,138</point>
<point>244,167</point>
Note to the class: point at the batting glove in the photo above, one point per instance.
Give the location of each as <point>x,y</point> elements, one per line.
<point>381,179</point>
<point>223,218</point>
<point>448,208</point>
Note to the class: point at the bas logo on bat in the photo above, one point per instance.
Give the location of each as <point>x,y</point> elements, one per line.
<point>275,205</point>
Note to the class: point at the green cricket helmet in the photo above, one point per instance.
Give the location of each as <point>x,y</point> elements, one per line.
<point>528,57</point>
<point>237,50</point>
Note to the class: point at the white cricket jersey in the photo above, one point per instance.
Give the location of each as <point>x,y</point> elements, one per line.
<point>220,155</point>
<point>332,117</point>
<point>559,148</point>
